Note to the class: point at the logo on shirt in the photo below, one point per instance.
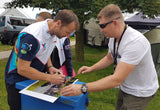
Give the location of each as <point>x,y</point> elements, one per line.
<point>48,32</point>
<point>25,48</point>
<point>54,41</point>
<point>67,46</point>
<point>23,51</point>
<point>44,45</point>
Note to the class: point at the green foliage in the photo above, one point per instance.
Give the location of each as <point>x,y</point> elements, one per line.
<point>147,7</point>
<point>151,8</point>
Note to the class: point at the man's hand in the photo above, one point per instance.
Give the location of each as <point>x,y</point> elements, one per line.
<point>71,90</point>
<point>84,69</point>
<point>53,70</point>
<point>56,78</point>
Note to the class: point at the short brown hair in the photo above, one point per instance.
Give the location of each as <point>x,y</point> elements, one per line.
<point>110,12</point>
<point>67,17</point>
<point>45,15</point>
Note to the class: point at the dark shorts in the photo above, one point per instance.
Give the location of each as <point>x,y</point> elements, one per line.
<point>14,97</point>
<point>130,102</point>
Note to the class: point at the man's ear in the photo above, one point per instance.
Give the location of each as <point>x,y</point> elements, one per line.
<point>59,23</point>
<point>115,22</point>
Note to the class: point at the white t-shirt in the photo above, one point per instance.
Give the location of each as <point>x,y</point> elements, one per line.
<point>59,45</point>
<point>135,49</point>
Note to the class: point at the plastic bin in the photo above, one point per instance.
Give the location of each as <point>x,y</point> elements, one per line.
<point>62,103</point>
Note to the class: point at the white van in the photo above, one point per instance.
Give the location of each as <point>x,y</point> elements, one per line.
<point>10,26</point>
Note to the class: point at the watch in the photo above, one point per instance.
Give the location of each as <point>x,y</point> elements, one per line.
<point>84,88</point>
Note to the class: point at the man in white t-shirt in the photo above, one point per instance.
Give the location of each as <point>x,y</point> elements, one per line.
<point>134,70</point>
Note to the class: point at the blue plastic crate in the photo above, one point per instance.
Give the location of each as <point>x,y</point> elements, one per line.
<point>63,102</point>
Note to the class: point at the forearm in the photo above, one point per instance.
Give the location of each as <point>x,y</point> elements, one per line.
<point>33,74</point>
<point>103,63</point>
<point>120,74</point>
<point>103,84</point>
<point>49,63</point>
<point>24,69</point>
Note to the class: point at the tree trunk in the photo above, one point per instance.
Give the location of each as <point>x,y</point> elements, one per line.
<point>80,45</point>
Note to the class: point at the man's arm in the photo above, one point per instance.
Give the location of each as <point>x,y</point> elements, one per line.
<point>68,57</point>
<point>50,67</point>
<point>24,69</point>
<point>103,63</point>
<point>120,74</point>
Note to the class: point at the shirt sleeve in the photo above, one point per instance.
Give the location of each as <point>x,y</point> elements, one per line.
<point>134,53</point>
<point>28,47</point>
<point>68,55</point>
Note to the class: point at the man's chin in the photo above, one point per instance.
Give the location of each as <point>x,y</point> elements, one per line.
<point>60,37</point>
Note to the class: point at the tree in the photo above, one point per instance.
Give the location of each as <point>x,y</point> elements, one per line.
<point>148,7</point>
<point>85,9</point>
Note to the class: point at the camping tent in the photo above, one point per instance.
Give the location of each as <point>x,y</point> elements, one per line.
<point>14,12</point>
<point>138,22</point>
<point>153,34</point>
<point>154,38</point>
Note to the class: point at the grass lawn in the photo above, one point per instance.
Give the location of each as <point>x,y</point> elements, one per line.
<point>3,94</point>
<point>5,47</point>
<point>104,100</point>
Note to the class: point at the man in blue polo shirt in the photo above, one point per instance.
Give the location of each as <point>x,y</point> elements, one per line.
<point>32,51</point>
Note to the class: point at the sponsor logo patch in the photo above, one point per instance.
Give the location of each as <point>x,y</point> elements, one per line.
<point>67,47</point>
<point>44,45</point>
<point>25,48</point>
<point>23,51</point>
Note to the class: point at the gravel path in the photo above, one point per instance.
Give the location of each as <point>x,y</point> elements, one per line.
<point>5,54</point>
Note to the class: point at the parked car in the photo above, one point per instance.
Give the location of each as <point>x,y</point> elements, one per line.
<point>10,26</point>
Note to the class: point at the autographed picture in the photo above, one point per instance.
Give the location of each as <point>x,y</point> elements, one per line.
<point>45,90</point>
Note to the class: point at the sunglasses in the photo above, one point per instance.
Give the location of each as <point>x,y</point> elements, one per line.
<point>105,24</point>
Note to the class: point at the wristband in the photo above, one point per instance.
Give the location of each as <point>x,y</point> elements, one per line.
<point>49,66</point>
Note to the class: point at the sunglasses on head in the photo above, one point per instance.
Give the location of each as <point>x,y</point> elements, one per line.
<point>105,24</point>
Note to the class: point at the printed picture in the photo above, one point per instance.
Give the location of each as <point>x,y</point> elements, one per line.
<point>46,90</point>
